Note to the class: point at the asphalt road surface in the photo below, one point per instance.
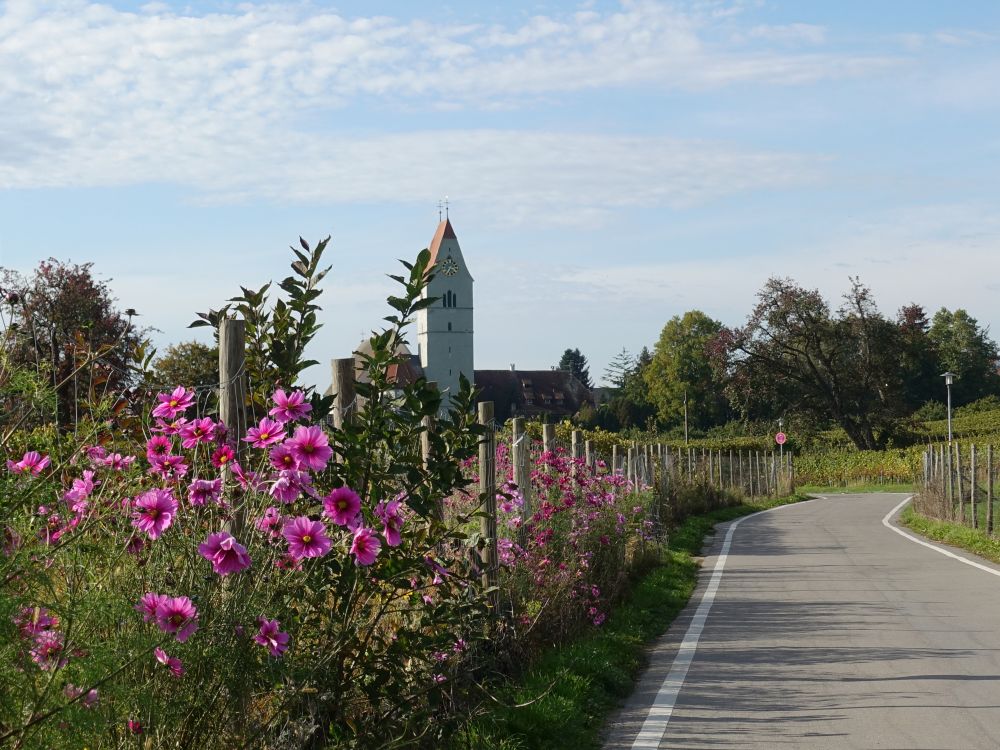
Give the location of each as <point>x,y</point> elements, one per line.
<point>827,630</point>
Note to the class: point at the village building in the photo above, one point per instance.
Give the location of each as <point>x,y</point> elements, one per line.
<point>446,347</point>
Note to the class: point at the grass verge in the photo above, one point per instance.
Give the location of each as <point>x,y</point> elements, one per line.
<point>573,688</point>
<point>976,541</point>
<point>853,489</point>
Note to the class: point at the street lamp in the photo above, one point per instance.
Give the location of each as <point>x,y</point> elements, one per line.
<point>948,378</point>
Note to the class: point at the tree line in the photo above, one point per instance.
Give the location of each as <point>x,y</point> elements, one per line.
<point>805,360</point>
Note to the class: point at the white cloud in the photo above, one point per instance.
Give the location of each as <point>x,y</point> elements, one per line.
<point>788,33</point>
<point>247,103</point>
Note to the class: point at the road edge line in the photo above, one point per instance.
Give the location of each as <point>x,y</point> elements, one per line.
<point>921,542</point>
<point>654,726</point>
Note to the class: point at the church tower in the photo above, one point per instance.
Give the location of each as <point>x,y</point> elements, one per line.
<point>444,330</point>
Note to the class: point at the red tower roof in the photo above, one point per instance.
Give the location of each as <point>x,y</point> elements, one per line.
<point>444,232</point>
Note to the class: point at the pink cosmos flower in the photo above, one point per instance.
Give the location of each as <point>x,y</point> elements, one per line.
<point>342,505</point>
<point>156,511</point>
<point>223,456</point>
<point>148,603</point>
<point>173,404</point>
<point>365,547</point>
<point>158,447</point>
<point>204,490</point>
<point>268,432</point>
<point>197,431</point>
<point>289,408</point>
<point>169,467</point>
<point>48,650</point>
<point>89,700</point>
<point>281,457</point>
<point>117,462</point>
<point>289,485</point>
<point>392,520</point>
<point>173,427</point>
<point>177,615</point>
<point>33,620</point>
<point>306,538</point>
<point>135,545</point>
<point>134,726</point>
<point>271,637</point>
<point>32,462</point>
<point>176,665</point>
<point>248,479</point>
<point>82,488</point>
<point>271,522</point>
<point>310,447</point>
<point>225,553</point>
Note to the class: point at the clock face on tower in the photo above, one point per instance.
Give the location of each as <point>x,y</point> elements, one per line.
<point>449,267</point>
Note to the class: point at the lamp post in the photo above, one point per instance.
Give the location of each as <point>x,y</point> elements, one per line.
<point>685,417</point>
<point>781,446</point>
<point>948,378</point>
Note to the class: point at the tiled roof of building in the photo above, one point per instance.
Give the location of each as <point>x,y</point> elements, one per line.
<point>444,232</point>
<point>532,392</point>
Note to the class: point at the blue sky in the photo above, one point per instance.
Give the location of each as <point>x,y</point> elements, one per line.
<point>608,164</point>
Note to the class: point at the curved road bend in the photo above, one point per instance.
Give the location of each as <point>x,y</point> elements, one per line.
<point>829,630</point>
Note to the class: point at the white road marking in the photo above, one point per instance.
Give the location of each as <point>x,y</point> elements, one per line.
<point>921,542</point>
<point>655,725</point>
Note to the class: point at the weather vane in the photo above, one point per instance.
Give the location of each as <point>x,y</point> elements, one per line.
<point>443,205</point>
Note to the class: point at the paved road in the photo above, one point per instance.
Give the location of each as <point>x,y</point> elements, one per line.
<point>829,630</point>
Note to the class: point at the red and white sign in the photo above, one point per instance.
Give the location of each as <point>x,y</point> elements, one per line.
<point>780,438</point>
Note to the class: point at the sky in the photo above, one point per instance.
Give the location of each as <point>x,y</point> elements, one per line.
<point>608,165</point>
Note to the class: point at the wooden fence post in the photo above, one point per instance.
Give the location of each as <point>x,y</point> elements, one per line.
<point>989,489</point>
<point>488,491</point>
<point>958,476</point>
<point>614,459</point>
<point>520,453</point>
<point>343,390</point>
<point>232,378</point>
<point>972,486</point>
<point>548,437</point>
<point>630,474</point>
<point>588,453</point>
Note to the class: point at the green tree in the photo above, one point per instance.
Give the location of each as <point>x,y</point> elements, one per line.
<point>193,365</point>
<point>920,365</point>
<point>964,348</point>
<point>682,365</point>
<point>630,406</point>
<point>66,326</point>
<point>574,361</point>
<point>797,356</point>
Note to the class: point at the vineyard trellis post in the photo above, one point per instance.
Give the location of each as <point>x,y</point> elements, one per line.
<point>989,489</point>
<point>520,456</point>
<point>488,492</point>
<point>972,486</point>
<point>958,482</point>
<point>548,437</point>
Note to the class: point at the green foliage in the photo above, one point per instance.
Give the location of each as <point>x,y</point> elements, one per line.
<point>976,541</point>
<point>681,372</point>
<point>277,336</point>
<point>573,361</point>
<point>963,347</point>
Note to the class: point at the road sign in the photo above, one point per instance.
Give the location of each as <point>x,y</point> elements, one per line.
<point>780,438</point>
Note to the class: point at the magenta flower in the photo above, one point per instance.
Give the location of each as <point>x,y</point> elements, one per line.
<point>177,615</point>
<point>176,665</point>
<point>289,408</point>
<point>33,620</point>
<point>271,637</point>
<point>32,462</point>
<point>135,726</point>
<point>225,553</point>
<point>306,538</point>
<point>282,458</point>
<point>204,490</point>
<point>156,511</point>
<point>342,505</point>
<point>289,485</point>
<point>197,431</point>
<point>248,479</point>
<point>117,462</point>
<point>158,447</point>
<point>310,447</point>
<point>392,521</point>
<point>148,603</point>
<point>271,522</point>
<point>73,692</point>
<point>82,488</point>
<point>268,432</point>
<point>173,404</point>
<point>169,467</point>
<point>172,427</point>
<point>48,650</point>
<point>223,456</point>
<point>365,547</point>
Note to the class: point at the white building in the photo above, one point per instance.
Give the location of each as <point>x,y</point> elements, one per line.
<point>445,329</point>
